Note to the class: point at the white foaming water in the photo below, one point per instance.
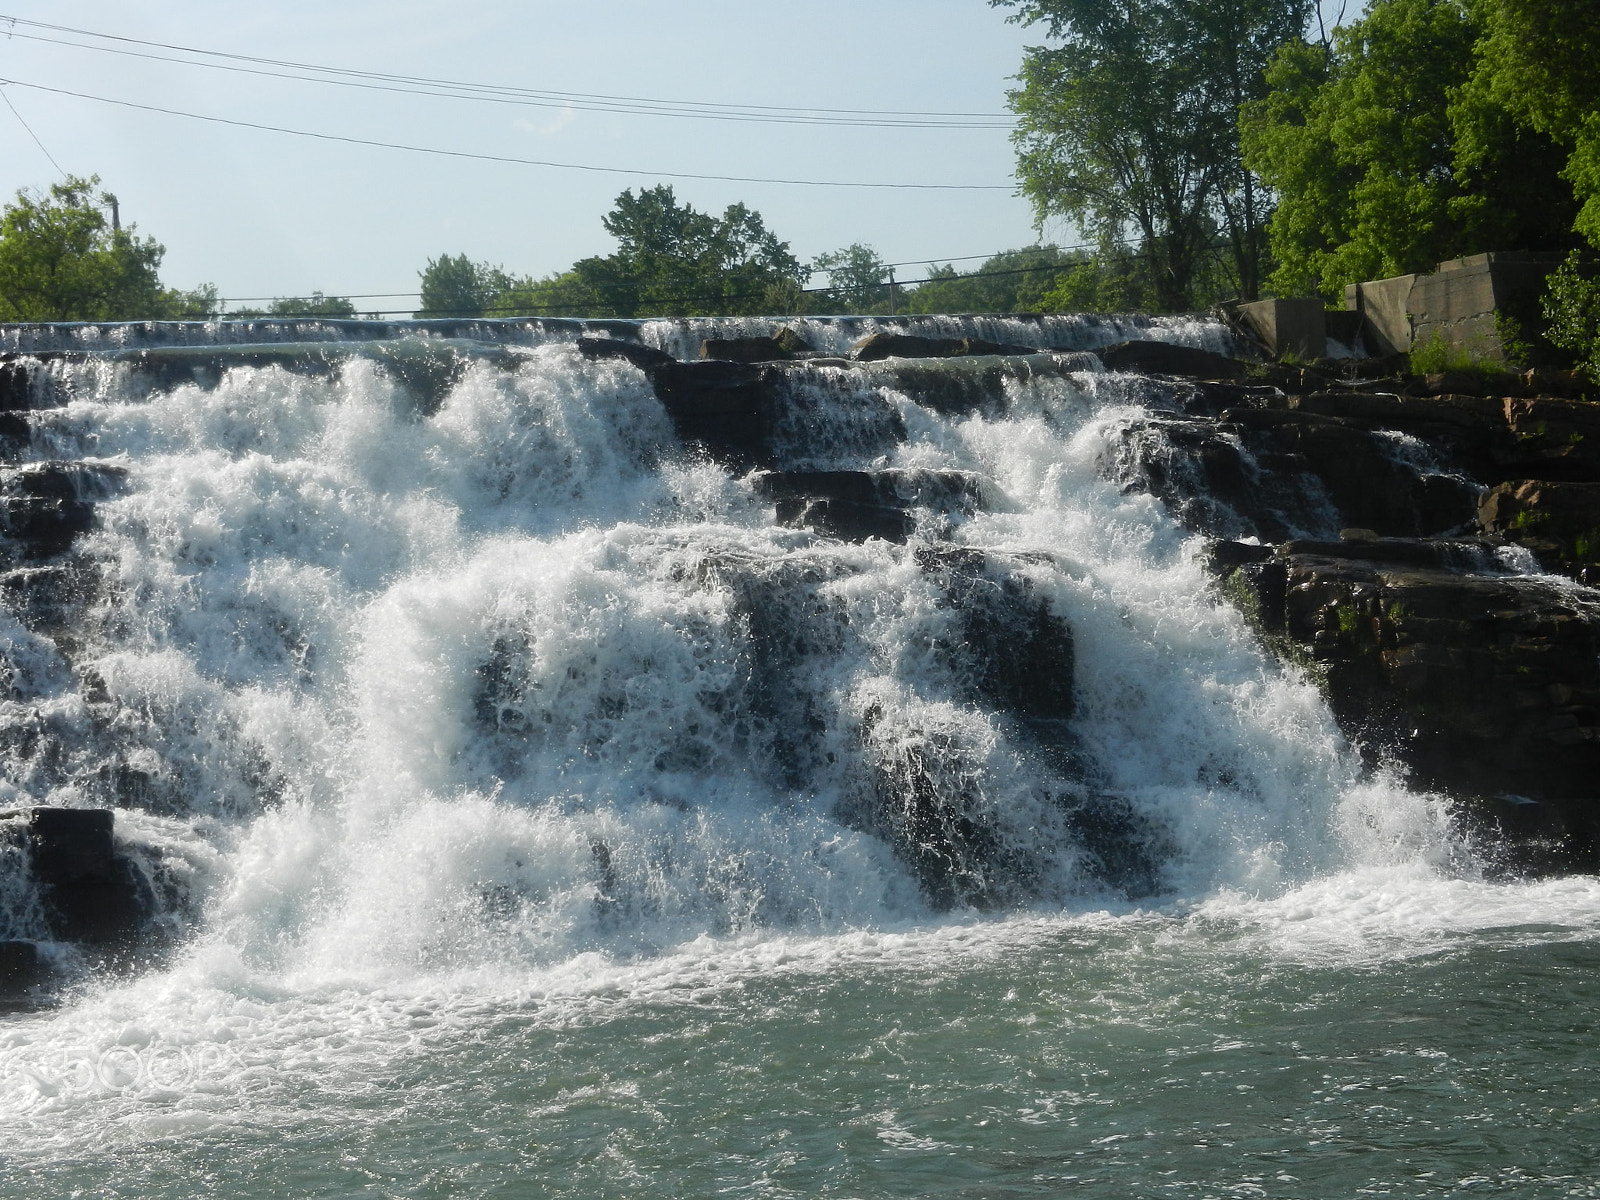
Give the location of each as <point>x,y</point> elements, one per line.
<point>681,336</point>
<point>444,714</point>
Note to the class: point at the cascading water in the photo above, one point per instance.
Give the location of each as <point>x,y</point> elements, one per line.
<point>472,731</point>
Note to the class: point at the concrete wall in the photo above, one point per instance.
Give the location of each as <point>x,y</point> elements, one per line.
<point>1456,304</point>
<point>1289,326</point>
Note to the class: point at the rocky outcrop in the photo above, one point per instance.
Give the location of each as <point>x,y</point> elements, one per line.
<point>882,345</point>
<point>1164,358</point>
<point>1484,685</point>
<point>858,505</point>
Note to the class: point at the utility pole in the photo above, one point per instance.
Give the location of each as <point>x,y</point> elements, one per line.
<point>891,291</point>
<point>116,214</point>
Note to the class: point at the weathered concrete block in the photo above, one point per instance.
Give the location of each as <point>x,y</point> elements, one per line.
<point>1457,304</point>
<point>1294,326</point>
<point>1382,304</point>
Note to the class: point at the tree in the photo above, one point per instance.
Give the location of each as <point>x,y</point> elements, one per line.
<point>1128,127</point>
<point>1386,162</point>
<point>672,260</point>
<point>858,280</point>
<point>1537,60</point>
<point>1011,281</point>
<point>315,305</point>
<point>61,259</point>
<point>455,286</point>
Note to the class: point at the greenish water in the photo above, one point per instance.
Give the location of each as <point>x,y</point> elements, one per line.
<point>1254,1052</point>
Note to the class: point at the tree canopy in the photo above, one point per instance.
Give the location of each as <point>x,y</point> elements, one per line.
<point>1128,127</point>
<point>1390,151</point>
<point>62,259</point>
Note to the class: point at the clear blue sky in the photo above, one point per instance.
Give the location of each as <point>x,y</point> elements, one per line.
<point>263,214</point>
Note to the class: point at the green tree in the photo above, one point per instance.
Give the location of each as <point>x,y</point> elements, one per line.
<point>314,305</point>
<point>62,259</point>
<point>858,280</point>
<point>455,286</point>
<point>1387,158</point>
<point>1128,127</point>
<point>672,260</point>
<point>1011,281</point>
<point>1540,61</point>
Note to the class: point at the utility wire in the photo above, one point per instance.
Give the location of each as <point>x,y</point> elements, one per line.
<point>507,158</point>
<point>915,262</point>
<point>423,85</point>
<point>31,133</point>
<point>534,309</point>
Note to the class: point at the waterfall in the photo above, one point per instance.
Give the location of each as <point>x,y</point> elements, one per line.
<point>421,649</point>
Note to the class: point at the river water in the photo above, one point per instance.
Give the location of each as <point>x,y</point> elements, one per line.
<point>529,813</point>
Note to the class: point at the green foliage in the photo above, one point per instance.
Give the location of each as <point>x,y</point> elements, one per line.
<point>1538,60</point>
<point>314,305</point>
<point>455,286</point>
<point>199,304</point>
<point>671,260</point>
<point>1128,126</point>
<point>1572,309</point>
<point>1114,280</point>
<point>61,260</point>
<point>858,281</point>
<point>1393,150</point>
<point>1011,281</point>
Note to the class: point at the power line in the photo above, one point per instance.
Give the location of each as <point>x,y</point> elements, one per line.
<point>31,133</point>
<point>534,309</point>
<point>1058,266</point>
<point>423,85</point>
<point>507,158</point>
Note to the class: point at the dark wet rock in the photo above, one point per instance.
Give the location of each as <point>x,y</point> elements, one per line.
<point>646,358</point>
<point>49,597</point>
<point>726,407</point>
<point>91,893</point>
<point>20,969</point>
<point>790,341</point>
<point>1163,358</point>
<point>1486,687</point>
<point>1548,381</point>
<point>847,520</point>
<point>1555,439</point>
<point>883,345</point>
<point>1013,650</point>
<point>859,505</point>
<point>58,480</point>
<point>43,528</point>
<point>1558,522</point>
<point>744,349</point>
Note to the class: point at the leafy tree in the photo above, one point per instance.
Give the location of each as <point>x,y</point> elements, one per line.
<point>671,260</point>
<point>61,259</point>
<point>1128,126</point>
<point>1572,308</point>
<point>858,280</point>
<point>315,305</point>
<point>674,260</point>
<point>455,286</point>
<point>1538,60</point>
<point>1011,281</point>
<point>1389,158</point>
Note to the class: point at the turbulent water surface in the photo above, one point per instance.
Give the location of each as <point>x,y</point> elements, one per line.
<point>531,814</point>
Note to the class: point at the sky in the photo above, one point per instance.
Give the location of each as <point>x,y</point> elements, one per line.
<point>263,214</point>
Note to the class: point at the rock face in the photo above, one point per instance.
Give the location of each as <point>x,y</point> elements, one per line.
<point>89,890</point>
<point>1163,358</point>
<point>1486,686</point>
<point>879,346</point>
